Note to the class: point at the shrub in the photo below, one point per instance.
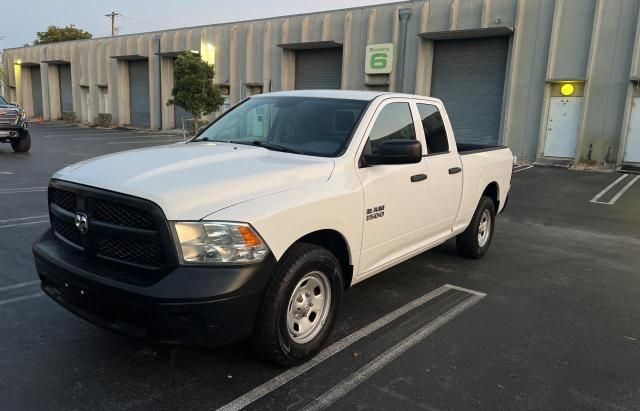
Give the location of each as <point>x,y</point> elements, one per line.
<point>103,120</point>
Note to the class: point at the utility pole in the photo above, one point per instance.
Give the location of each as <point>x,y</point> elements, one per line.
<point>113,16</point>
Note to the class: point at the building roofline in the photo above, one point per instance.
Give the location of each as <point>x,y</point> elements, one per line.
<point>218,24</point>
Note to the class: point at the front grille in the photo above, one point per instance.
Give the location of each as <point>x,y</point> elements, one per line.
<point>63,199</point>
<point>121,215</point>
<point>8,116</point>
<point>66,230</point>
<point>123,230</point>
<point>131,251</point>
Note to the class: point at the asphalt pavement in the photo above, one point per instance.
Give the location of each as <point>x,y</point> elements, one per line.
<point>548,319</point>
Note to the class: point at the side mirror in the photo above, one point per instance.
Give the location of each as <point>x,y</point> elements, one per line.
<point>396,152</point>
<point>15,104</point>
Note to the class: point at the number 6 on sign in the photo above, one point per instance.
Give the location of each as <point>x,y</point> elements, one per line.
<point>379,58</point>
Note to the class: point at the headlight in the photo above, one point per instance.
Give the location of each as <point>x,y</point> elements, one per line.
<point>22,115</point>
<point>219,242</point>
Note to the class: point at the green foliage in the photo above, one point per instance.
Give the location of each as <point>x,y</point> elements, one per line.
<point>56,34</point>
<point>2,73</point>
<point>193,87</point>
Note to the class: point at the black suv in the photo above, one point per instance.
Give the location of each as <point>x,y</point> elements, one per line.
<point>13,127</point>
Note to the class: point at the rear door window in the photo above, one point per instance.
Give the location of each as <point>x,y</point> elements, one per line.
<point>434,131</point>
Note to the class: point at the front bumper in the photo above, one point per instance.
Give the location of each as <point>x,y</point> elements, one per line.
<point>13,132</point>
<point>190,305</point>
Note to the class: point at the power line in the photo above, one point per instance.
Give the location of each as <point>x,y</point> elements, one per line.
<point>141,22</point>
<point>113,16</point>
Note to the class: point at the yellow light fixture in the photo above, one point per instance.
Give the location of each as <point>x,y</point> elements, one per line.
<point>567,89</point>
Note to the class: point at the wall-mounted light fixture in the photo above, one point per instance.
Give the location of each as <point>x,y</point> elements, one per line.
<point>567,89</point>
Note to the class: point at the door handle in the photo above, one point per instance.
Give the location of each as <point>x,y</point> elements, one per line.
<point>418,177</point>
<point>455,170</point>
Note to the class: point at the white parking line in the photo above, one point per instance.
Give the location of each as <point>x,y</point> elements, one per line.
<point>21,298</point>
<point>11,220</point>
<point>624,189</point>
<point>22,190</point>
<point>120,138</point>
<point>292,373</point>
<point>345,386</point>
<point>21,224</point>
<point>145,142</point>
<point>522,169</point>
<point>619,194</point>
<point>8,173</point>
<point>19,285</point>
<point>74,135</point>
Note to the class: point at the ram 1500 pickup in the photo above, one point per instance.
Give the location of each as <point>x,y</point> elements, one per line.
<point>256,227</point>
<point>14,128</point>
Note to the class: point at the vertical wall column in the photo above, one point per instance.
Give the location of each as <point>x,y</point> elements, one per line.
<point>55,109</point>
<point>424,66</point>
<point>607,80</point>
<point>288,62</point>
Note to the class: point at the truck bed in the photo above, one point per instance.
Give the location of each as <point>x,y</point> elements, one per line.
<point>466,148</point>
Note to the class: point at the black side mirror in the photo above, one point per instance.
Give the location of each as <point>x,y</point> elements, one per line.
<point>396,152</point>
<point>14,104</point>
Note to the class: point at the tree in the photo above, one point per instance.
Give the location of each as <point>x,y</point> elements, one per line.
<point>2,75</point>
<point>56,34</point>
<point>193,87</point>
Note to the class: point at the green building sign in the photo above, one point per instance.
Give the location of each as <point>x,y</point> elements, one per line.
<point>379,58</point>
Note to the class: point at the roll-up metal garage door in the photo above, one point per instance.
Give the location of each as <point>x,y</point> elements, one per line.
<point>36,91</point>
<point>66,100</point>
<point>319,69</point>
<point>468,76</point>
<point>139,93</point>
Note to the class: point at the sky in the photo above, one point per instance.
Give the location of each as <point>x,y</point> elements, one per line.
<point>150,15</point>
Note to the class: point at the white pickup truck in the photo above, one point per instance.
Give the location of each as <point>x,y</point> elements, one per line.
<point>256,227</point>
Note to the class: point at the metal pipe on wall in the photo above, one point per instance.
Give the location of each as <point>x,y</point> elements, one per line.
<point>403,15</point>
<point>158,71</point>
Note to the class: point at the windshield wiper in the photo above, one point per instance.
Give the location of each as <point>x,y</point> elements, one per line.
<point>267,145</point>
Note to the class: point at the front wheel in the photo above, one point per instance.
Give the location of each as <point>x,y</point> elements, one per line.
<point>299,306</point>
<point>23,145</point>
<point>476,239</point>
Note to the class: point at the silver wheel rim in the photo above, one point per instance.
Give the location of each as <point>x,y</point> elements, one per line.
<point>484,228</point>
<point>308,307</point>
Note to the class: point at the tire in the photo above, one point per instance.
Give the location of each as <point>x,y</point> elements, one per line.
<point>306,276</point>
<point>474,242</point>
<point>23,145</point>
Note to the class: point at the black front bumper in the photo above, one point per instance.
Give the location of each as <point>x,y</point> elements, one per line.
<point>190,305</point>
<point>19,132</point>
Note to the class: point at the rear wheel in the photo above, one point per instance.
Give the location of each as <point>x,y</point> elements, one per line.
<point>23,145</point>
<point>299,306</point>
<point>476,239</point>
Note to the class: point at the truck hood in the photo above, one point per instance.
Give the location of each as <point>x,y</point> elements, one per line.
<point>189,181</point>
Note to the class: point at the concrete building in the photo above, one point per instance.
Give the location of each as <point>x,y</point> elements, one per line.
<point>552,79</point>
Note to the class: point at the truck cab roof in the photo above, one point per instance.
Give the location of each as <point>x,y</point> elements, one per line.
<point>345,94</point>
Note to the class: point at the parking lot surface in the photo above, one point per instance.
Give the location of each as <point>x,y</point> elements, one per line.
<point>548,319</point>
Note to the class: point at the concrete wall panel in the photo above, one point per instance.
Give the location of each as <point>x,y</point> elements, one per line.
<point>571,39</point>
<point>607,80</point>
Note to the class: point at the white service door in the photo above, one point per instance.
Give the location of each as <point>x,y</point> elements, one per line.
<point>632,152</point>
<point>562,126</point>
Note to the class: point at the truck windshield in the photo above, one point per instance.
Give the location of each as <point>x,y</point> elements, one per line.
<point>304,125</point>
<point>3,101</point>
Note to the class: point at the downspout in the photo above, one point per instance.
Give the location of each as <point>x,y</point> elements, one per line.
<point>158,80</point>
<point>403,15</point>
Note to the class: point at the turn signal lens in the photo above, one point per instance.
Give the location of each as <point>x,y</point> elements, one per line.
<point>219,242</point>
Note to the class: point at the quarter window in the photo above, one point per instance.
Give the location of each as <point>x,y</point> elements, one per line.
<point>393,123</point>
<point>434,131</point>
